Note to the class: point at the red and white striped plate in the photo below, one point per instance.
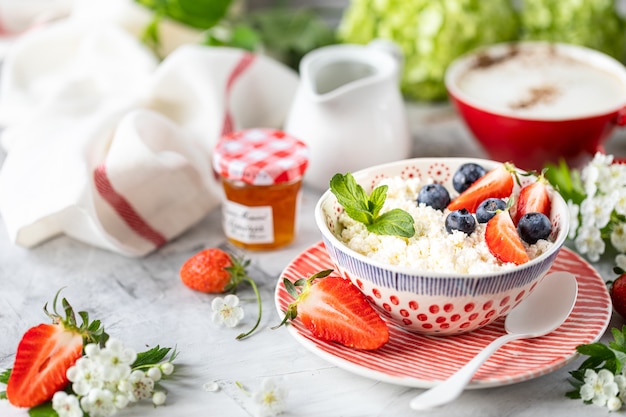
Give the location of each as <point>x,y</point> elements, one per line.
<point>420,361</point>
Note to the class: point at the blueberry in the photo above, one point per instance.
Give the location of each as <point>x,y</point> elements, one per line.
<point>534,226</point>
<point>466,175</point>
<point>487,209</point>
<point>434,195</point>
<point>461,220</point>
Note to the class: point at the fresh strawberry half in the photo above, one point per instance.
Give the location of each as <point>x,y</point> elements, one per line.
<point>336,311</point>
<point>533,198</point>
<point>503,241</point>
<point>497,183</point>
<point>214,270</point>
<point>44,355</point>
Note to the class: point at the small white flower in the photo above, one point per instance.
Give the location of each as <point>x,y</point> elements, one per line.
<point>620,201</point>
<point>597,211</point>
<point>167,368</point>
<point>574,211</point>
<point>618,237</point>
<point>589,176</point>
<point>589,241</point>
<point>226,311</point>
<point>141,386</point>
<point>85,375</point>
<point>270,398</point>
<point>158,398</point>
<point>614,404</point>
<point>99,403</point>
<point>598,387</point>
<point>154,373</point>
<point>66,405</point>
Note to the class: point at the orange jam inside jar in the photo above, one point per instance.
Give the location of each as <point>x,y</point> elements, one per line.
<point>261,172</point>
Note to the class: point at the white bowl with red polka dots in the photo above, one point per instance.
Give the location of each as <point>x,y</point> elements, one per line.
<point>429,302</point>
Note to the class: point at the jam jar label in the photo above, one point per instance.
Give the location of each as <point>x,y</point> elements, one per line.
<point>248,224</point>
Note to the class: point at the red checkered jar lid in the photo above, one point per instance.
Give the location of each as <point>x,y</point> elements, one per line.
<point>260,157</point>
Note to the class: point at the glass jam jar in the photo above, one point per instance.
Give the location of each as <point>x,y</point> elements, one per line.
<point>261,171</point>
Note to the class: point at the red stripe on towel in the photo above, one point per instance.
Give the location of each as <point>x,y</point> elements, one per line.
<point>241,66</point>
<point>124,209</point>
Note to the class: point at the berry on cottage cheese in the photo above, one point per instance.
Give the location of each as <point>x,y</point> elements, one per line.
<point>432,248</point>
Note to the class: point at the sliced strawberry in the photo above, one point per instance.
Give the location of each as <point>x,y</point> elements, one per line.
<point>497,183</point>
<point>43,357</point>
<point>335,310</point>
<point>533,198</point>
<point>503,241</point>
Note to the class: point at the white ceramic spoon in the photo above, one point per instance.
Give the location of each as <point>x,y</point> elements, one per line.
<point>543,311</point>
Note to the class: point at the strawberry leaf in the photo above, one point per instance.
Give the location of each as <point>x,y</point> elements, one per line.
<point>4,376</point>
<point>152,357</point>
<point>43,410</point>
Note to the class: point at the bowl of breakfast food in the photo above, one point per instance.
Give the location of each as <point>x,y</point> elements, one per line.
<point>533,103</point>
<point>442,246</point>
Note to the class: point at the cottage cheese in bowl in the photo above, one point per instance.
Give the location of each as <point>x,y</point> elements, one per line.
<point>432,248</point>
<point>434,282</point>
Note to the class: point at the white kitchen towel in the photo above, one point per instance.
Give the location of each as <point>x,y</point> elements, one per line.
<point>111,147</point>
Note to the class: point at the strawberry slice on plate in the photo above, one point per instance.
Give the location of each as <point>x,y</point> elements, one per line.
<point>533,198</point>
<point>497,183</point>
<point>333,309</point>
<point>503,241</point>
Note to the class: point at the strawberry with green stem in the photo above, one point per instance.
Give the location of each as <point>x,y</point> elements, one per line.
<point>333,309</point>
<point>46,352</point>
<point>213,270</point>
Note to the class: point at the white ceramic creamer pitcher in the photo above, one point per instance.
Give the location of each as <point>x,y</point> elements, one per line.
<point>349,109</point>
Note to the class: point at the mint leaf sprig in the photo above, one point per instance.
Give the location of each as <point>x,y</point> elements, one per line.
<point>366,208</point>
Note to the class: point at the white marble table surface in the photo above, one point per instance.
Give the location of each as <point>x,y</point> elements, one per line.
<point>143,302</point>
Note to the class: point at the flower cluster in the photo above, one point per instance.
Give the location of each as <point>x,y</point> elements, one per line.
<point>596,197</point>
<point>601,378</point>
<point>107,379</point>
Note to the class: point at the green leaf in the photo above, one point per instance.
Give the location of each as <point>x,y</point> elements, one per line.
<point>199,14</point>
<point>377,199</point>
<point>43,410</point>
<point>151,357</point>
<point>566,181</point>
<point>365,209</point>
<point>4,376</point>
<point>395,222</point>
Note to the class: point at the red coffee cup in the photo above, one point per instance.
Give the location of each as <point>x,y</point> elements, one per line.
<point>531,103</point>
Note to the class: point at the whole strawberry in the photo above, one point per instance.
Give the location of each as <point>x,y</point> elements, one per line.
<point>46,352</point>
<point>336,311</point>
<point>618,295</point>
<point>213,270</point>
